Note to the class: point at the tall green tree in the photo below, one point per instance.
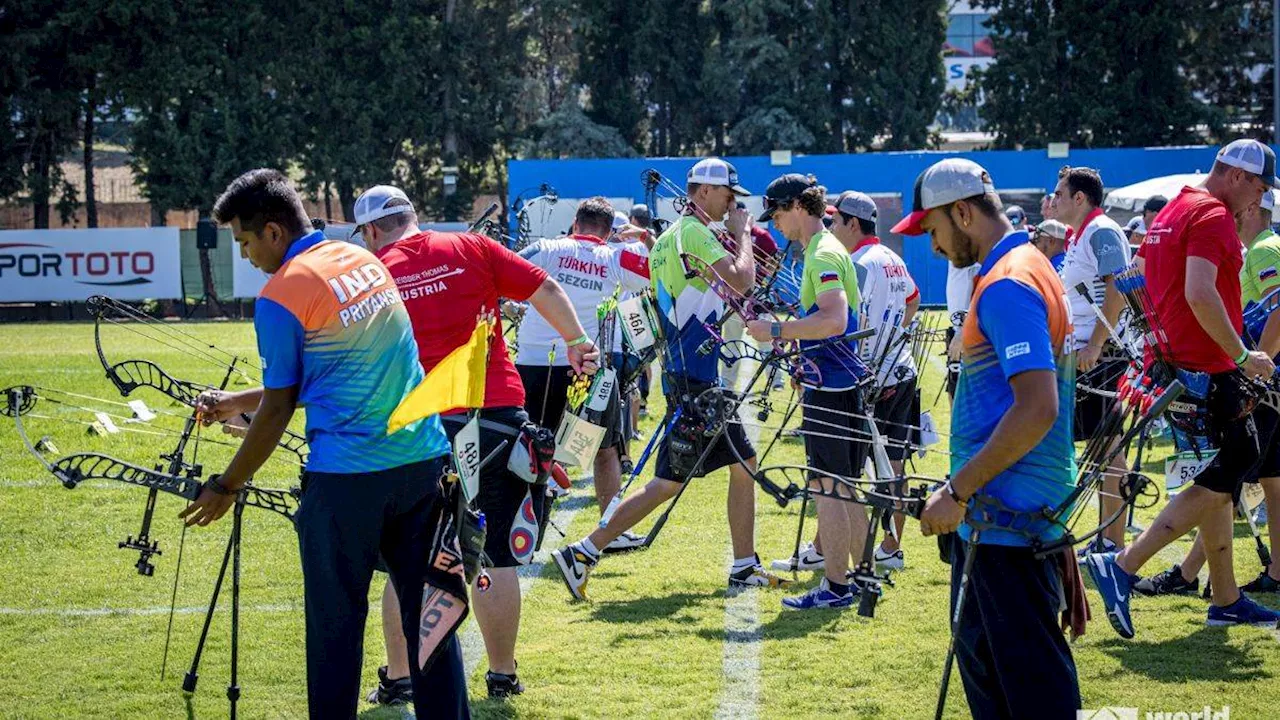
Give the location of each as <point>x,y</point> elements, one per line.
<point>1231,68</point>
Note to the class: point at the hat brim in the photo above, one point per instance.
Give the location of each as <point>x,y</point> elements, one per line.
<point>740,191</point>
<point>910,225</point>
<point>767,215</point>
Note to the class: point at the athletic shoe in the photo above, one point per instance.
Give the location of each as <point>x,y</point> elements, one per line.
<point>1169,582</point>
<point>1107,547</point>
<point>626,541</point>
<point>889,560</point>
<point>755,576</point>
<point>1264,583</point>
<point>819,597</point>
<point>807,559</point>
<point>1115,587</point>
<point>574,565</point>
<point>1242,612</point>
<point>391,692</point>
<point>502,686</point>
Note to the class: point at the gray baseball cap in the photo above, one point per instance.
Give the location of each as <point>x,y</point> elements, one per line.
<point>1253,157</point>
<point>943,183</point>
<point>859,205</point>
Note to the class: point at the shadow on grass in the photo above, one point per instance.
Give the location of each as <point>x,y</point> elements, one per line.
<point>1204,655</point>
<point>645,609</point>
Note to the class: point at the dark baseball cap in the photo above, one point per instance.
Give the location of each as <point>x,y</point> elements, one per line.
<point>859,205</point>
<point>941,184</point>
<point>783,190</point>
<point>640,211</point>
<point>1155,203</point>
<point>1252,157</point>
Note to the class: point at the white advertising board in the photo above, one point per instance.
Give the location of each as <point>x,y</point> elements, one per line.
<point>71,265</point>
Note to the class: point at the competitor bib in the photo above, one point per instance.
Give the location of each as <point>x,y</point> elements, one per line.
<point>1182,468</point>
<point>577,441</point>
<point>639,334</point>
<point>602,389</point>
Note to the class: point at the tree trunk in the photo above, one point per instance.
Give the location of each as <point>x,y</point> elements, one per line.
<point>328,202</point>
<point>157,215</point>
<point>347,197</point>
<point>90,196</point>
<point>39,185</point>
<point>449,156</point>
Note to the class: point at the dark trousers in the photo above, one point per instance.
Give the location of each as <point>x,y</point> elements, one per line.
<point>344,521</point>
<point>1012,655</point>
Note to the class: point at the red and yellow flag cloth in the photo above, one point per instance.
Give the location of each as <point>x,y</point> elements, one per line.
<point>456,382</point>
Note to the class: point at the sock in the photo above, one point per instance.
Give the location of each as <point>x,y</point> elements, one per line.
<point>837,588</point>
<point>589,547</point>
<point>745,563</point>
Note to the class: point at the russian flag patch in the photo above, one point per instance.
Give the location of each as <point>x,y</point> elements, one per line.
<point>835,277</point>
<point>1267,274</point>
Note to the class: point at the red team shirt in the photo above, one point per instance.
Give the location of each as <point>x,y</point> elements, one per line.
<point>1193,224</point>
<point>451,278</point>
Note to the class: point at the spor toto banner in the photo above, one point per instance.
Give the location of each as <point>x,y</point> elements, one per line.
<point>71,265</point>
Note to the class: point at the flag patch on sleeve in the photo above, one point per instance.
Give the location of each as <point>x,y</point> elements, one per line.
<point>1267,273</point>
<point>830,276</point>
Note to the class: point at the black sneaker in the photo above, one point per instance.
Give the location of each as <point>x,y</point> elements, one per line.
<point>1169,582</point>
<point>391,692</point>
<point>502,686</point>
<point>1264,583</point>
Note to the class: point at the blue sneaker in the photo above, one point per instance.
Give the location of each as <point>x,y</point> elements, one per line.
<point>819,597</point>
<point>1115,586</point>
<point>1242,612</point>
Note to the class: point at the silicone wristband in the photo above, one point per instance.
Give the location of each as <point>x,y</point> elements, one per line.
<point>578,341</point>
<point>1244,357</point>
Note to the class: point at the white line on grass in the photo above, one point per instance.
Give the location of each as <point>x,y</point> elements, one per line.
<point>127,611</point>
<point>743,634</point>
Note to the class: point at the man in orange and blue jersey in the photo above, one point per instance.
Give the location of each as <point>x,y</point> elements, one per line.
<point>1009,445</point>
<point>335,338</point>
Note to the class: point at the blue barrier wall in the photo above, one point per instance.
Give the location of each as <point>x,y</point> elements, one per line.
<point>871,173</point>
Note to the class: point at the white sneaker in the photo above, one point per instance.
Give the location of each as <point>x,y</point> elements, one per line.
<point>574,565</point>
<point>807,559</point>
<point>626,541</point>
<point>889,560</point>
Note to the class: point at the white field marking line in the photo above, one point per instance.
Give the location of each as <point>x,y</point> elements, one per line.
<point>472,641</point>
<point>743,634</point>
<point>141,611</point>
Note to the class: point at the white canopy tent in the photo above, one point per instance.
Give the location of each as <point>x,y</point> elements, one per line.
<point>1131,198</point>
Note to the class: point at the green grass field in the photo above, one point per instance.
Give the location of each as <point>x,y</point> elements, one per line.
<point>82,634</point>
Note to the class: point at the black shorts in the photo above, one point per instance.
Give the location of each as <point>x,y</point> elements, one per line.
<point>1093,408</point>
<point>725,448</point>
<point>897,416</point>
<point>953,369</point>
<point>1267,420</point>
<point>510,505</point>
<point>836,438</point>
<point>1240,444</point>
<point>546,395</point>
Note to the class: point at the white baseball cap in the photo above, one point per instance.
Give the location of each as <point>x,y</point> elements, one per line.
<point>619,219</point>
<point>943,183</point>
<point>714,171</point>
<point>372,204</point>
<point>1251,156</point>
<point>1268,201</point>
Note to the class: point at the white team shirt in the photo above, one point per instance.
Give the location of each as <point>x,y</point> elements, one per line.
<point>1100,249</point>
<point>959,290</point>
<point>884,289</point>
<point>589,271</point>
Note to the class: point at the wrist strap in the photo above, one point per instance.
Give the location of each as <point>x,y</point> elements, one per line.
<point>214,483</point>
<point>952,492</point>
<point>578,341</point>
<point>1244,356</point>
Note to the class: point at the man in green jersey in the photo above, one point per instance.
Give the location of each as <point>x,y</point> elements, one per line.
<point>836,437</point>
<point>686,307</point>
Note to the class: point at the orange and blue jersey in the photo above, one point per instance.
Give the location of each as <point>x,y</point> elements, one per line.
<point>331,322</point>
<point>1019,320</point>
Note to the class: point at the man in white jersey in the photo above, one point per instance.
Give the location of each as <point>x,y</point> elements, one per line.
<point>1096,252</point>
<point>590,271</point>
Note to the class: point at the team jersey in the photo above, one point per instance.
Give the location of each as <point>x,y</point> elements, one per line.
<point>1197,224</point>
<point>330,322</point>
<point>685,304</point>
<point>885,287</point>
<point>1018,321</point>
<point>959,290</point>
<point>446,280</point>
<point>589,271</point>
<point>827,267</point>
<point>1098,250</point>
<point>1260,274</point>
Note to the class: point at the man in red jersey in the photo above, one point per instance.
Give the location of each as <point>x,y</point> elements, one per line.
<point>446,280</point>
<point>1193,257</point>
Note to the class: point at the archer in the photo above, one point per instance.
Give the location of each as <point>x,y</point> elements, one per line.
<point>329,313</point>
<point>1010,444</point>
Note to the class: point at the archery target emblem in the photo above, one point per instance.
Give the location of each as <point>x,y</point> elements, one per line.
<point>524,531</point>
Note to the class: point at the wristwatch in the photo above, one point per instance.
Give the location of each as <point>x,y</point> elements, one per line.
<point>775,330</point>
